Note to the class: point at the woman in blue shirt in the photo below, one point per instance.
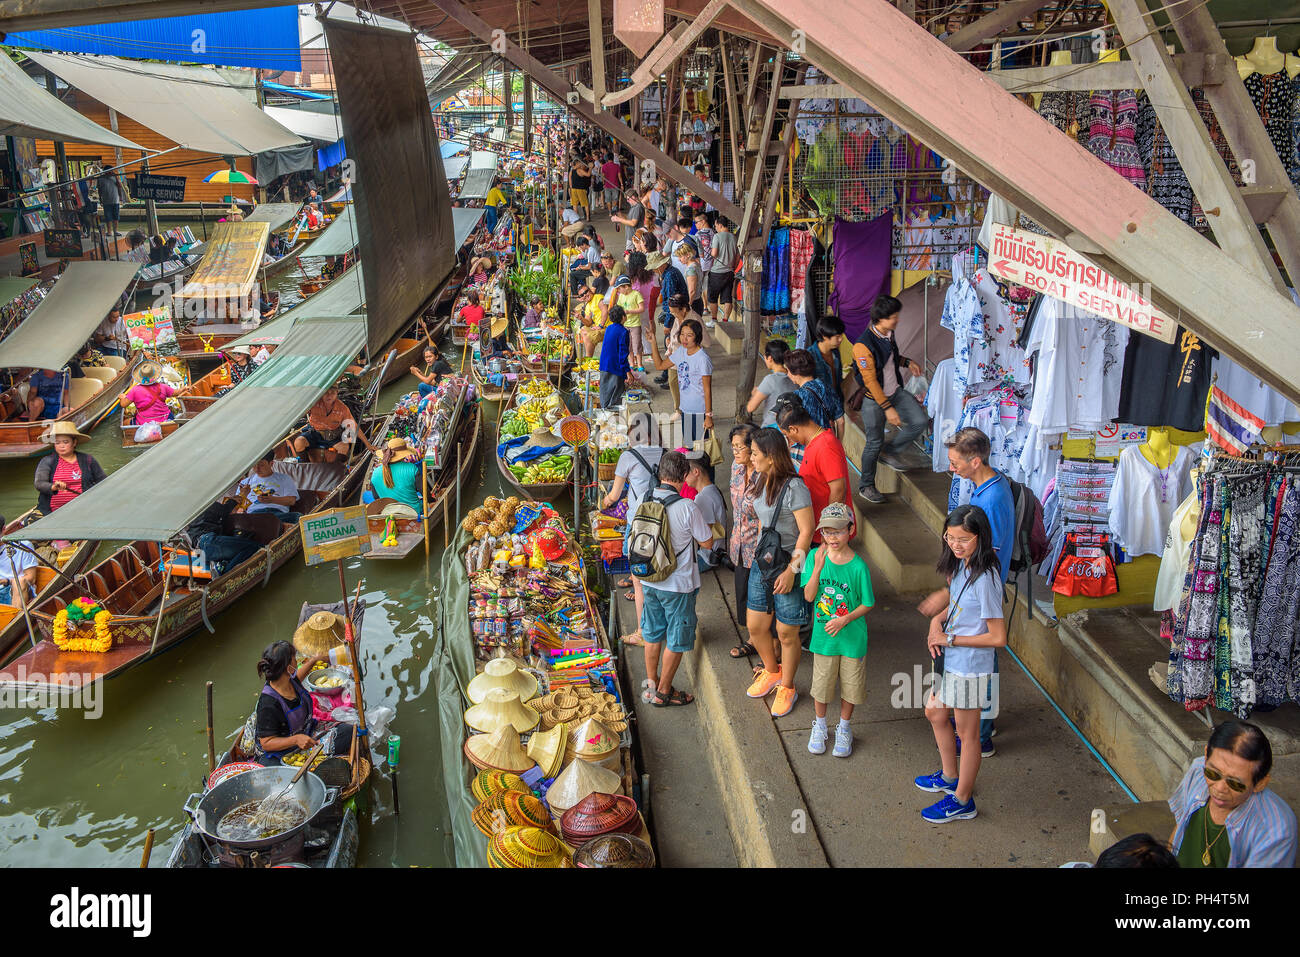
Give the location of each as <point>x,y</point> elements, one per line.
<point>966,633</point>
<point>614,365</point>
<point>397,475</point>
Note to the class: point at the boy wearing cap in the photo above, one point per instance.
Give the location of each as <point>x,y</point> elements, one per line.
<point>838,585</point>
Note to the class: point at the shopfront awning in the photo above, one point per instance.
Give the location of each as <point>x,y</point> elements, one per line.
<point>342,297</point>
<point>452,147</point>
<point>11,287</point>
<point>322,127</point>
<point>464,220</point>
<point>230,262</point>
<point>28,110</point>
<point>274,215</point>
<point>339,238</point>
<point>484,159</point>
<point>477,183</point>
<point>158,494</point>
<point>65,319</point>
<point>193,106</point>
<point>453,166</point>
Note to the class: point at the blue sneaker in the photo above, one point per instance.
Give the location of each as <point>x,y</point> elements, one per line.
<point>935,782</point>
<point>949,809</point>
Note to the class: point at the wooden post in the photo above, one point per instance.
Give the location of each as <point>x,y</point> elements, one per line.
<point>148,848</point>
<point>733,117</point>
<point>212,741</point>
<point>528,116</point>
<point>595,27</point>
<point>353,641</point>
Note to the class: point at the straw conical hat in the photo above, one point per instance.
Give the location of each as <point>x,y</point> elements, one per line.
<point>593,738</point>
<point>547,749</point>
<point>498,751</point>
<point>526,847</point>
<point>501,673</point>
<point>319,633</point>
<point>511,809</point>
<point>498,709</point>
<point>578,780</point>
<point>488,783</point>
<point>614,850</point>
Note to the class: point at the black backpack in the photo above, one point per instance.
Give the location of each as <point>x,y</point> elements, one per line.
<point>1029,544</point>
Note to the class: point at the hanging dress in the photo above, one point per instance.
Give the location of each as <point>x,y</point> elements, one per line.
<point>1274,97</point>
<point>1112,131</point>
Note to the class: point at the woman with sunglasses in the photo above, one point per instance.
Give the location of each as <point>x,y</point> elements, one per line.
<point>1224,814</point>
<point>965,633</point>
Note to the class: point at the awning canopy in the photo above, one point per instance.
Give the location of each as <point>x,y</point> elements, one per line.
<point>322,127</point>
<point>464,220</point>
<point>202,460</point>
<point>230,262</point>
<point>484,159</point>
<point>339,238</point>
<point>193,106</point>
<point>65,319</point>
<point>342,297</point>
<point>11,287</point>
<point>452,147</point>
<point>274,215</point>
<point>477,183</point>
<point>28,110</point>
<point>453,166</point>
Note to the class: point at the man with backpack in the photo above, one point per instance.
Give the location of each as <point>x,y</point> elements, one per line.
<point>662,537</point>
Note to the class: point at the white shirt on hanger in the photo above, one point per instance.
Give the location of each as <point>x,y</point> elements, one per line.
<point>1079,370</point>
<point>1173,562</point>
<point>943,402</point>
<point>1143,499</point>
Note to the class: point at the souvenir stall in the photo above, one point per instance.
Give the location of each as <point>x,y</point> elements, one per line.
<point>546,726</point>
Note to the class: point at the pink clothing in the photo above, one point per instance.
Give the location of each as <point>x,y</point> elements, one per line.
<point>69,473</point>
<point>149,404</point>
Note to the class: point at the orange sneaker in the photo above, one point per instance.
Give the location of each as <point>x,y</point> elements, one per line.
<point>763,684</point>
<point>784,703</point>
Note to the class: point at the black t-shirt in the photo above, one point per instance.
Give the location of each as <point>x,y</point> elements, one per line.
<point>271,722</point>
<point>577,180</point>
<point>440,369</point>
<point>1165,383</point>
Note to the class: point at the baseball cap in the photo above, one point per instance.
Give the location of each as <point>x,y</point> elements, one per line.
<point>835,515</point>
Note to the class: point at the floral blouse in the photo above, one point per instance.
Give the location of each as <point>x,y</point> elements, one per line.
<point>746,527</point>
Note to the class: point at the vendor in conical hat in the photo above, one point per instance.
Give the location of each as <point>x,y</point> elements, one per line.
<point>65,473</point>
<point>149,395</point>
<point>397,475</point>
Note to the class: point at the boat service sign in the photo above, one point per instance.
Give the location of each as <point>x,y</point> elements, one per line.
<point>333,534</point>
<point>1049,266</point>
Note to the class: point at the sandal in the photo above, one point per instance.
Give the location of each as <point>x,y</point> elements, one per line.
<point>632,638</point>
<point>625,583</point>
<point>743,650</point>
<point>673,697</point>
<point>649,689</point>
<point>629,596</point>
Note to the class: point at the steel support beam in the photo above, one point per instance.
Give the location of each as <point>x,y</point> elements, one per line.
<point>1234,226</point>
<point>1004,145</point>
<point>560,88</point>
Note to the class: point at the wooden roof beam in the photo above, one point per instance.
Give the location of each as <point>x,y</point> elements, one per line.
<point>1007,15</point>
<point>1195,70</point>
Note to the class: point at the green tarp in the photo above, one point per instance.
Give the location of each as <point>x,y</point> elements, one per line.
<point>342,297</point>
<point>158,494</point>
<point>275,214</point>
<point>65,319</point>
<point>340,237</point>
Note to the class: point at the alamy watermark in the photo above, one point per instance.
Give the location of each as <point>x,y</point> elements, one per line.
<point>66,691</point>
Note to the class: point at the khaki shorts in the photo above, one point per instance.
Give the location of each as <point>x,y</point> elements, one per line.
<point>851,673</point>
<point>578,197</point>
<point>967,692</point>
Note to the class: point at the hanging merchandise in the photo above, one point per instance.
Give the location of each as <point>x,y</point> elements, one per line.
<point>1086,568</point>
<point>775,294</point>
<point>1079,502</point>
<point>1257,399</point>
<point>943,403</point>
<point>861,253</point>
<point>1068,111</point>
<point>986,317</point>
<point>1144,494</point>
<point>1234,630</point>
<point>801,254</point>
<point>1112,129</point>
<point>1274,96</point>
<point>1166,383</point>
<point>1079,372</point>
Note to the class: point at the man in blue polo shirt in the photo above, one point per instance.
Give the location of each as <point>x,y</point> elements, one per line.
<point>968,458</point>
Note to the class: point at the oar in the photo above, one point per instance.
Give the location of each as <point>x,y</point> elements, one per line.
<point>148,848</point>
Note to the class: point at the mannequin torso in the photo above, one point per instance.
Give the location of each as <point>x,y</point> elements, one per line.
<point>1157,449</point>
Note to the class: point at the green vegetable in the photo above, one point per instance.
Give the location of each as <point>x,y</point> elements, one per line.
<point>610,455</point>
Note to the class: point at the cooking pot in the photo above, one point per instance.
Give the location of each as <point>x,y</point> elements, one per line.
<point>207,810</point>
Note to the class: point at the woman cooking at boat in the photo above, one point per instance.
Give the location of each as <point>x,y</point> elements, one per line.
<point>149,396</point>
<point>284,710</point>
<point>65,473</point>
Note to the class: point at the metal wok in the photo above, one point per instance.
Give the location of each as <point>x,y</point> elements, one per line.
<point>207,810</point>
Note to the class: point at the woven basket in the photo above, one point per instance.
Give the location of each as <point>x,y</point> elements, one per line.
<point>607,471</point>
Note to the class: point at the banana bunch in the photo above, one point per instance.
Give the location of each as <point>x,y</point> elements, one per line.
<point>589,365</point>
<point>536,388</point>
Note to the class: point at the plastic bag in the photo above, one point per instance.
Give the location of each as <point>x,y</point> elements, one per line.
<point>378,719</point>
<point>149,432</point>
<point>918,386</point>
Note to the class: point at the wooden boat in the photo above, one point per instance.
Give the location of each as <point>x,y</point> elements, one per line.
<point>14,635</point>
<point>409,353</point>
<point>195,397</point>
<point>203,341</point>
<point>130,582</point>
<point>338,821</point>
<point>491,393</point>
<point>279,265</point>
<point>309,287</point>
<point>439,496</point>
<point>90,400</point>
<point>538,491</point>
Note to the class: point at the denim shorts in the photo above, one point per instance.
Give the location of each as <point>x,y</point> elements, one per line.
<point>791,609</point>
<point>669,616</point>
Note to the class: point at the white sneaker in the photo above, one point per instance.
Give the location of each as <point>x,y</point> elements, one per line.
<point>817,740</point>
<point>709,323</point>
<point>843,742</point>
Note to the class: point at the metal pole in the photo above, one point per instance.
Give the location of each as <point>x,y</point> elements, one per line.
<point>150,207</point>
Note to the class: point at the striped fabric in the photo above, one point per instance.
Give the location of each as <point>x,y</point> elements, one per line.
<point>1229,425</point>
<point>1261,832</point>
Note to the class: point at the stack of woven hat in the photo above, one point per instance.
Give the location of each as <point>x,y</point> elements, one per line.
<point>572,705</point>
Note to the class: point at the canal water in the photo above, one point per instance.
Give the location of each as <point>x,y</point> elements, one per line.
<point>84,792</point>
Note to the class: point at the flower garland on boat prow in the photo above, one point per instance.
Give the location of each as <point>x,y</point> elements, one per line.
<point>79,612</point>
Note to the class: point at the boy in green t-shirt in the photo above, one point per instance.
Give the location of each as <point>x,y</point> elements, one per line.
<point>837,583</point>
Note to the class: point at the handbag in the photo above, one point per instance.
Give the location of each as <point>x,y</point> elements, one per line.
<point>770,556</point>
<point>711,447</point>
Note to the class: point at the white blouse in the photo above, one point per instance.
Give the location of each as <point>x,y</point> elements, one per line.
<point>1080,366</point>
<point>1143,499</point>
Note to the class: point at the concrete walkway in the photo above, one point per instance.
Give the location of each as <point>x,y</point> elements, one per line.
<point>775,804</point>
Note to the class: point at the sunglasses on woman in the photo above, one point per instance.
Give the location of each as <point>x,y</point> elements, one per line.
<point>1213,775</point>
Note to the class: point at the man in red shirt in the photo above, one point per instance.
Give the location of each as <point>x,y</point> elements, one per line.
<point>824,468</point>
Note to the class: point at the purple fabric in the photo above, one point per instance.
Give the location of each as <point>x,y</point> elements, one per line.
<point>862,254</point>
